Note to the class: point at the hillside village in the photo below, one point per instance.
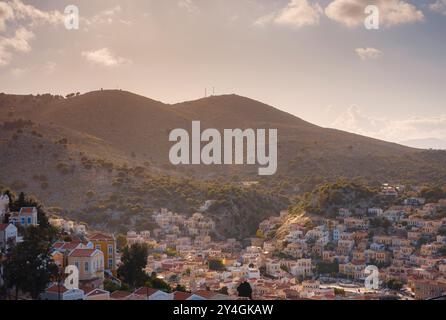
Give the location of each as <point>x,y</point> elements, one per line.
<point>321,258</point>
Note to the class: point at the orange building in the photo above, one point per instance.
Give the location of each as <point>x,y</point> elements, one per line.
<point>107,244</point>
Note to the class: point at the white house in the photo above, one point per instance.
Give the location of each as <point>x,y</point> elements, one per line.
<point>59,292</point>
<point>27,217</point>
<point>8,234</point>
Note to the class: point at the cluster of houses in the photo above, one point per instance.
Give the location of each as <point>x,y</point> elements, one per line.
<point>409,250</point>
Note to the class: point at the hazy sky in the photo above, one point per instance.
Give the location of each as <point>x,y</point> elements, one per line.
<point>312,58</point>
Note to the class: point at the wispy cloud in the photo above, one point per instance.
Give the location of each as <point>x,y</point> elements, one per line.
<point>189,6</point>
<point>356,121</point>
<point>369,53</point>
<point>33,16</point>
<point>297,14</point>
<point>392,12</point>
<point>104,57</point>
<point>17,43</point>
<point>439,6</point>
<point>106,16</point>
<point>21,18</point>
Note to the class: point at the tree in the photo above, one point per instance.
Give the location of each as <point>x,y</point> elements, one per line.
<point>180,288</point>
<point>395,285</point>
<point>245,290</point>
<point>134,261</point>
<point>121,242</point>
<point>216,265</point>
<point>327,267</point>
<point>224,290</point>
<point>157,283</point>
<point>30,266</point>
<point>110,286</point>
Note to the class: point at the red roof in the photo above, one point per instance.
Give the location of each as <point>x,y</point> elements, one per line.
<point>145,291</point>
<point>94,292</point>
<point>3,226</point>
<point>119,295</point>
<point>56,289</point>
<point>100,236</point>
<point>82,253</point>
<point>26,211</point>
<point>178,295</point>
<point>70,245</point>
<point>205,294</point>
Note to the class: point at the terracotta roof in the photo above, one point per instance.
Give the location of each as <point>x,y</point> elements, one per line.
<point>3,226</point>
<point>83,252</point>
<point>70,245</point>
<point>145,291</point>
<point>26,211</point>
<point>178,295</point>
<point>119,295</point>
<point>100,236</point>
<point>58,244</point>
<point>205,294</point>
<point>55,289</point>
<point>95,292</point>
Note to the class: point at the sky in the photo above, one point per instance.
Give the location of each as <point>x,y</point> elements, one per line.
<point>312,58</point>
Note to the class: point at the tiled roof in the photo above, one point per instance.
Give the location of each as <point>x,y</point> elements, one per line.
<point>56,289</point>
<point>27,211</point>
<point>83,252</point>
<point>145,291</point>
<point>178,295</point>
<point>100,236</point>
<point>94,292</point>
<point>119,295</point>
<point>3,226</point>
<point>205,294</point>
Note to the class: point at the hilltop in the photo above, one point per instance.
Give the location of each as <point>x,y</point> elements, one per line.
<point>77,153</point>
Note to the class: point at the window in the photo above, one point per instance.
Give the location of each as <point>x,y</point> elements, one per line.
<point>22,220</point>
<point>87,266</point>
<point>29,220</point>
<point>76,264</point>
<point>110,263</point>
<point>110,249</point>
<point>98,246</point>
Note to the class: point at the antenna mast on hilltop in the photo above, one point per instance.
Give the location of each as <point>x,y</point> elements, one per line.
<point>206,92</point>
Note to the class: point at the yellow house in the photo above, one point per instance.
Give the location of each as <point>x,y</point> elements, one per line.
<point>89,262</point>
<point>107,244</point>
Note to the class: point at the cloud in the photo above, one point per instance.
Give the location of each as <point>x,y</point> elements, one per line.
<point>369,53</point>
<point>6,14</point>
<point>439,6</point>
<point>189,6</point>
<point>297,14</point>
<point>21,17</point>
<point>104,57</point>
<point>392,12</point>
<point>35,16</point>
<point>106,16</point>
<point>17,43</point>
<point>415,128</point>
